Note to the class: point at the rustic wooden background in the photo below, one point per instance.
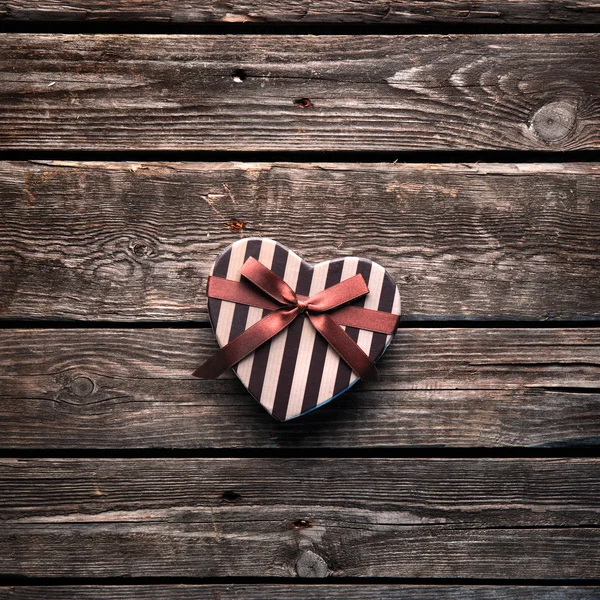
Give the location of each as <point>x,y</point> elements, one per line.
<point>456,142</point>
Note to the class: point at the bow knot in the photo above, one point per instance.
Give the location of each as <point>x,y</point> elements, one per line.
<point>326,310</point>
<point>302,306</point>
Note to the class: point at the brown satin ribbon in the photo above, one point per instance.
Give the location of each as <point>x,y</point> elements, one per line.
<point>325,310</point>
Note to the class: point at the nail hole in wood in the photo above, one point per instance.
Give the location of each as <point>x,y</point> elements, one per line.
<point>303,102</point>
<point>302,523</point>
<point>231,496</point>
<point>236,226</point>
<point>239,75</point>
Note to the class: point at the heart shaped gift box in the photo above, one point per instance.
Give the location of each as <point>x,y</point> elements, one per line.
<point>297,370</point>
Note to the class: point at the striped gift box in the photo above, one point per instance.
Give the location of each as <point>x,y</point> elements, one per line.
<point>297,371</point>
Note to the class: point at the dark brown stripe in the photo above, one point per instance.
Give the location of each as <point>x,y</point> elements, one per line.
<point>240,313</point>
<point>220,270</point>
<point>290,352</point>
<point>344,371</point>
<point>317,361</point>
<point>386,303</point>
<point>261,356</point>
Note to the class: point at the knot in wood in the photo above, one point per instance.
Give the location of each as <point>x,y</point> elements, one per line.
<point>311,565</point>
<point>141,250</point>
<point>554,121</point>
<point>81,386</point>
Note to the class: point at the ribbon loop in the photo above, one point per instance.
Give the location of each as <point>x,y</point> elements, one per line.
<point>323,310</point>
<point>338,294</point>
<point>268,282</point>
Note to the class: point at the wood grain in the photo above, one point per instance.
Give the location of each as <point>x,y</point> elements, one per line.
<point>135,241</point>
<point>387,93</point>
<point>539,12</point>
<point>358,517</point>
<point>299,592</point>
<point>439,387</point>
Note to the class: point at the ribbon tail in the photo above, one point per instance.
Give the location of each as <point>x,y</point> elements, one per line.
<point>240,292</point>
<point>246,343</point>
<point>364,318</point>
<point>344,345</point>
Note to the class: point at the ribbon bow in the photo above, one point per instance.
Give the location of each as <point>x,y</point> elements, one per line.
<point>325,310</point>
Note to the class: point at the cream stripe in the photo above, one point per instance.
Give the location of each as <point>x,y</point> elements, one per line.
<point>332,359</point>
<point>269,389</point>
<point>395,310</point>
<point>223,330</point>
<point>244,368</point>
<point>365,338</point>
<point>305,348</point>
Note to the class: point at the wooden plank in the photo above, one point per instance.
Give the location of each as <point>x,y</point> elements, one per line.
<point>439,387</point>
<point>135,241</point>
<point>501,12</point>
<point>307,517</point>
<point>189,550</point>
<point>388,93</point>
<point>299,592</point>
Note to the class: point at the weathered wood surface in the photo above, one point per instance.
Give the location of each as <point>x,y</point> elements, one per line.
<point>300,592</point>
<point>177,92</point>
<point>503,12</point>
<point>135,241</point>
<point>439,387</point>
<point>308,517</point>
